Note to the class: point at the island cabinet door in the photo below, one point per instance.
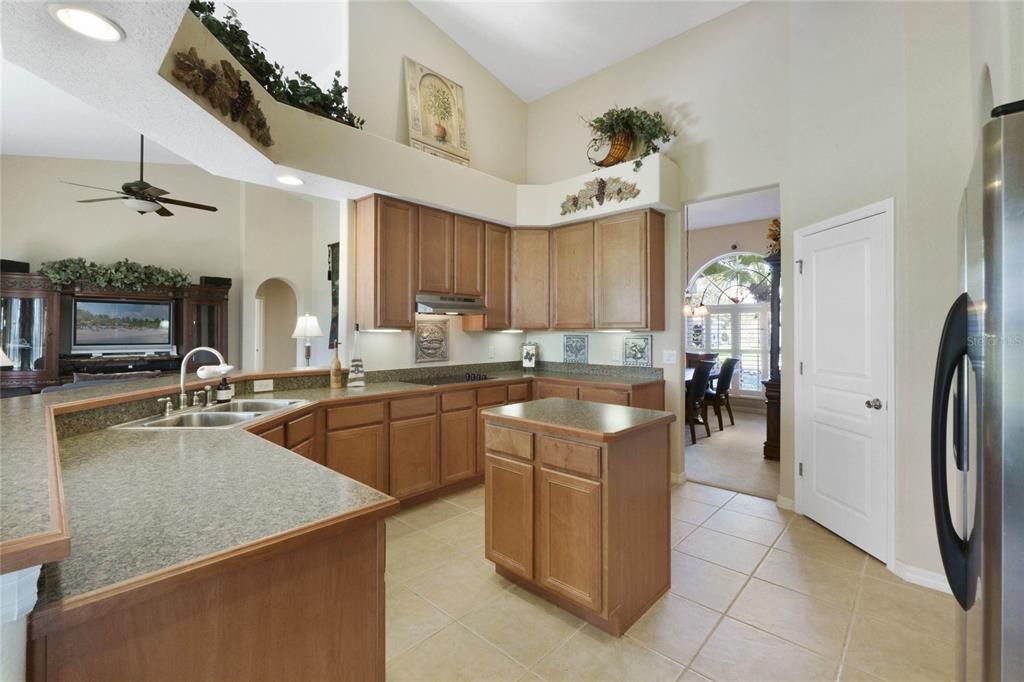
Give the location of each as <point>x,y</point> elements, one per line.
<point>569,536</point>
<point>360,454</point>
<point>414,463</point>
<point>458,445</point>
<point>508,514</point>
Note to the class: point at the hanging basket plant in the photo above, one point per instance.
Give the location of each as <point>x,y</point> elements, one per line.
<point>300,92</point>
<point>623,130</point>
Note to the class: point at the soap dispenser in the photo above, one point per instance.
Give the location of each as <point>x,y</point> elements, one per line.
<point>223,391</point>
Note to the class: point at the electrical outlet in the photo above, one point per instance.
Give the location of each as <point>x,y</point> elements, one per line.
<point>668,357</point>
<point>261,385</point>
<point>617,355</point>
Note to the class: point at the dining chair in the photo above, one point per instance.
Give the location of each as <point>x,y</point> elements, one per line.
<point>695,396</point>
<point>719,395</point>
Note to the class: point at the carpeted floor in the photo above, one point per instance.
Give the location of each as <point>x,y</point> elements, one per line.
<point>733,459</point>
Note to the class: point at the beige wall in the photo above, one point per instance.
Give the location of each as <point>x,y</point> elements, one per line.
<point>381,33</point>
<point>842,104</point>
<point>280,311</point>
<point>709,243</point>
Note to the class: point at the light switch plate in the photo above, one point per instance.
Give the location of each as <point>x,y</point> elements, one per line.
<point>490,352</point>
<point>668,357</point>
<point>261,385</point>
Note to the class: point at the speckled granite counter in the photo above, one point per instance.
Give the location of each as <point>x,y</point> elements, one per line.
<point>595,421</point>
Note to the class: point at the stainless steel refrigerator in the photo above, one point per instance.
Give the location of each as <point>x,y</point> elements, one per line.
<point>978,411</point>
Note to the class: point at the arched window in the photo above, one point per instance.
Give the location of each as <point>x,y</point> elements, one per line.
<point>735,290</point>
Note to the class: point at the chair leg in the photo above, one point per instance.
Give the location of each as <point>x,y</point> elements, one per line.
<point>728,406</point>
<point>707,425</point>
<point>693,432</point>
<point>718,413</point>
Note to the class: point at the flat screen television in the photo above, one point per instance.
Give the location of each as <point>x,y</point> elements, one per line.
<point>123,326</point>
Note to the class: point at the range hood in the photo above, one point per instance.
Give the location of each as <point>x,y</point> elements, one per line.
<point>433,304</point>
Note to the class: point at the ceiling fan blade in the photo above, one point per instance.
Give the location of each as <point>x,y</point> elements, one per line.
<point>102,189</point>
<point>163,212</point>
<point>187,204</point>
<point>152,192</point>
<point>93,201</point>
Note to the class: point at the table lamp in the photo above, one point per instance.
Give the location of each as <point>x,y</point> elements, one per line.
<point>305,328</point>
<point>5,362</point>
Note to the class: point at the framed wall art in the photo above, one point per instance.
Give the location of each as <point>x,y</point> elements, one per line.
<point>529,355</point>
<point>574,348</point>
<point>638,351</point>
<point>436,108</point>
<point>431,340</point>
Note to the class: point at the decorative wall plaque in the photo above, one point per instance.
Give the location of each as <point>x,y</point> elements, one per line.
<point>599,189</point>
<point>431,340</point>
<point>224,88</point>
<point>574,348</point>
<point>638,351</point>
<point>436,108</point>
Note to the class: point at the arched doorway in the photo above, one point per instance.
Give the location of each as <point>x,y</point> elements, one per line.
<point>275,315</point>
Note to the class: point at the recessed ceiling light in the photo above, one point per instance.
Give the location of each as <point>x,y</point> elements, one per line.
<point>290,180</point>
<point>87,22</point>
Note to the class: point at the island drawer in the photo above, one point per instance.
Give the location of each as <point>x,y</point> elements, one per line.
<point>492,395</point>
<point>347,416</point>
<point>457,400</point>
<point>571,456</point>
<point>518,392</point>
<point>406,408</point>
<point>508,441</point>
<point>300,430</point>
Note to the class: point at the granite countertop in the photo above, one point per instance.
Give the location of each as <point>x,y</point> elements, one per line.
<point>599,421</point>
<point>141,501</point>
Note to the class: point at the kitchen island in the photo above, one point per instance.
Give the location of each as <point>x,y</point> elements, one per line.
<point>577,505</point>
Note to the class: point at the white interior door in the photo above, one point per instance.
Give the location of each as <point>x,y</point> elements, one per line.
<point>843,386</point>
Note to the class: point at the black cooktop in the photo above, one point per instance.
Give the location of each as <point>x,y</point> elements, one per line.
<point>450,379</point>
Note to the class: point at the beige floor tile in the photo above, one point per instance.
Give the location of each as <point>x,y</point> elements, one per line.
<point>675,627</point>
<point>429,513</point>
<point>691,511</point>
<point>817,625</point>
<point>470,498</point>
<point>874,568</point>
<point>409,620</point>
<point>454,655</point>
<point>759,507</point>
<point>739,652</point>
<point>413,554</point>
<point>462,532</point>
<point>692,675</point>
<point>703,582</point>
<point>727,550</point>
<point>679,530</point>
<point>703,493</point>
<point>522,625</point>
<point>900,654</point>
<point>459,585</point>
<point>850,674</point>
<point>810,576</point>
<point>397,529</point>
<point>807,538</point>
<point>592,655</point>
<point>745,526</point>
<point>920,608</point>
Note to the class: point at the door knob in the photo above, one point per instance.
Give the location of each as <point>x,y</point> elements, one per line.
<point>875,403</point>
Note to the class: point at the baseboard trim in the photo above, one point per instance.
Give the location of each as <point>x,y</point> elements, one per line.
<point>784,503</point>
<point>920,576</point>
<point>679,479</point>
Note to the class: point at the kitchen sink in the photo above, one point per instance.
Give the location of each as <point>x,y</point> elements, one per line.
<point>253,405</point>
<point>200,420</point>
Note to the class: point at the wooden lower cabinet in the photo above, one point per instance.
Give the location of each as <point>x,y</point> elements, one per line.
<point>508,514</point>
<point>359,453</point>
<point>413,458</point>
<point>612,396</point>
<point>458,445</point>
<point>547,389</point>
<point>569,536</point>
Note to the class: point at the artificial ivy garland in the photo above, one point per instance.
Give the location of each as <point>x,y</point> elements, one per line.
<point>125,275</point>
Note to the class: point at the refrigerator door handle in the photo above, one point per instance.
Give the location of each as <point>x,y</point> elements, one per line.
<point>952,350</point>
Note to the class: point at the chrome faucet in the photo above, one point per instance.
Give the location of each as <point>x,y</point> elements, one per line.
<point>204,372</point>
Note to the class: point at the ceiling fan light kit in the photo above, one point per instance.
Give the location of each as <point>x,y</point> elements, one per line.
<point>87,22</point>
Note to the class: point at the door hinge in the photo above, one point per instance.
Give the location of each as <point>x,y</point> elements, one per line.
<point>800,468</point>
<point>801,367</point>
<point>800,266</point>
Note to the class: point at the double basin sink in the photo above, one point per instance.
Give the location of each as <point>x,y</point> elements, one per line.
<point>222,416</point>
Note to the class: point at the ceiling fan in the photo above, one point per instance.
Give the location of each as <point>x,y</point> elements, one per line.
<point>141,196</point>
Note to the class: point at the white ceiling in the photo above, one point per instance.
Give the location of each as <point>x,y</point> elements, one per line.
<point>762,204</point>
<point>536,47</point>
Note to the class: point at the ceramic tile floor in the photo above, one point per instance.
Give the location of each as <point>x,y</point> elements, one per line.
<point>757,594</point>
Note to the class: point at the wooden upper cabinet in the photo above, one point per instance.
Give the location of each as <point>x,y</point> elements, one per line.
<point>530,277</point>
<point>386,263</point>
<point>629,271</point>
<point>469,257</point>
<point>497,294</point>
<point>436,234</point>
<point>572,277</point>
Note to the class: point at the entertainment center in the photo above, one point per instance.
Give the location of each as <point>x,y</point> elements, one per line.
<point>56,335</point>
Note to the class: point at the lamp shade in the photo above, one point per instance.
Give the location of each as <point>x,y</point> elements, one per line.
<point>5,362</point>
<point>306,326</point>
